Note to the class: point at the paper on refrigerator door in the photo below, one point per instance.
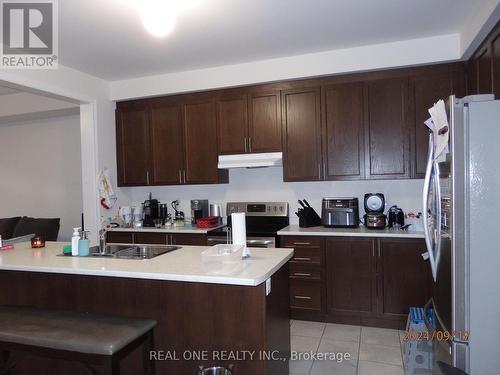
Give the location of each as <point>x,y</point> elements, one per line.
<point>239,231</point>
<point>441,129</point>
<point>430,124</point>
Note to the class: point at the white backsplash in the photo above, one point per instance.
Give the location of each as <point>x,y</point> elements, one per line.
<point>266,184</point>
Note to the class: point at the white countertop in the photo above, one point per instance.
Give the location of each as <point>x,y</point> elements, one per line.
<point>295,230</point>
<point>184,264</point>
<point>188,228</point>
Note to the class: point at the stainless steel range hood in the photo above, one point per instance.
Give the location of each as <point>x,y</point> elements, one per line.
<point>269,159</point>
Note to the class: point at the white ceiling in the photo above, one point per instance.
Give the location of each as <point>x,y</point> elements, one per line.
<point>107,39</point>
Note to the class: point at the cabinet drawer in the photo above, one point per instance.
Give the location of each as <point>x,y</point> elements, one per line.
<point>150,238</point>
<point>120,237</point>
<point>305,295</point>
<point>306,272</point>
<point>307,256</point>
<point>302,241</point>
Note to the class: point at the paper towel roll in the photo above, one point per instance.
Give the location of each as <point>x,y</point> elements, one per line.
<point>239,228</point>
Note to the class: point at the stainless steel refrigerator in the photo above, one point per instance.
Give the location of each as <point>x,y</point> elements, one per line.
<point>462,232</point>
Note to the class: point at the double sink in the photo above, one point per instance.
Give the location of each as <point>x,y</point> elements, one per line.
<point>131,251</point>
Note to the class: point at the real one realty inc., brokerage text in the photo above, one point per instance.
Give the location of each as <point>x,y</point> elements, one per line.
<point>245,355</point>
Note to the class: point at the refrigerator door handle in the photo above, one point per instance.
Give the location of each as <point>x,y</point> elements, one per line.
<point>439,218</point>
<point>425,205</point>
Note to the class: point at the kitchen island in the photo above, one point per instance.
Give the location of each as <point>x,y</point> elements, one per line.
<point>206,316</point>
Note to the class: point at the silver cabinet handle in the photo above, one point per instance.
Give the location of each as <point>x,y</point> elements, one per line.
<point>302,243</point>
<point>299,258</point>
<point>147,177</point>
<point>303,297</point>
<point>180,176</point>
<point>259,242</point>
<point>302,274</point>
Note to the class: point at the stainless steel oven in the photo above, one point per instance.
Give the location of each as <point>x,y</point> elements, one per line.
<point>263,221</point>
<point>251,241</point>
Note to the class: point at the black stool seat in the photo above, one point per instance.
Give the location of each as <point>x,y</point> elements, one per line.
<point>92,334</point>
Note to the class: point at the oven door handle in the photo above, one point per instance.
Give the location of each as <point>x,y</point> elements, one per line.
<point>259,242</point>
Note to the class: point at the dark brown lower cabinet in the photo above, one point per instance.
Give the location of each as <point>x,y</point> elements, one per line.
<point>307,277</point>
<point>405,279</point>
<point>352,280</point>
<point>149,238</point>
<point>197,322</point>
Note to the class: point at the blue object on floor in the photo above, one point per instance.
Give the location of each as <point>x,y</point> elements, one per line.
<point>417,350</point>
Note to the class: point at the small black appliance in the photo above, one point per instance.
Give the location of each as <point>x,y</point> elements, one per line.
<point>151,211</point>
<point>340,212</point>
<point>395,217</point>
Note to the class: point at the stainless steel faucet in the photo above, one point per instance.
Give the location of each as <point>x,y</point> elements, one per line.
<point>102,240</point>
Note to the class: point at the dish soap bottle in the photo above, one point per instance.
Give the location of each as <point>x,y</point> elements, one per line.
<point>83,244</point>
<point>74,241</point>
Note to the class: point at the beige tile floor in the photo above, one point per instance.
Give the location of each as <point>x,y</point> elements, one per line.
<point>373,351</point>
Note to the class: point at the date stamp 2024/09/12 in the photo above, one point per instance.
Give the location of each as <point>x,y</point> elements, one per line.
<point>435,335</point>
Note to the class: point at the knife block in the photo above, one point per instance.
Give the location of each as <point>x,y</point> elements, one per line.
<point>309,218</point>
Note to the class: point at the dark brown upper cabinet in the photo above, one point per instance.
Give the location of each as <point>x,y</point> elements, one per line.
<point>302,134</point>
<point>133,147</point>
<point>264,127</point>
<point>425,90</point>
<point>167,145</point>
<point>387,135</point>
<point>249,122</point>
<point>343,131</point>
<point>232,123</point>
<point>495,44</point>
<point>170,141</point>
<point>483,68</point>
<point>484,71</point>
<point>200,140</point>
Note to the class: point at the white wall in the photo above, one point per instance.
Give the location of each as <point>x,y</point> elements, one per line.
<point>41,169</point>
<point>378,56</point>
<point>97,120</point>
<point>266,184</point>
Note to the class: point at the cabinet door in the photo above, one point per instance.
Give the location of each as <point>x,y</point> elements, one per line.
<point>350,269</point>
<point>133,147</point>
<point>167,145</point>
<point>232,124</point>
<point>343,146</point>
<point>425,91</point>
<point>189,239</point>
<point>387,137</point>
<point>200,143</point>
<point>405,277</point>
<point>301,135</point>
<point>484,71</point>
<point>496,65</point>
<point>264,132</point>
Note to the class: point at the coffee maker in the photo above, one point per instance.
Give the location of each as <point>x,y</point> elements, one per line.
<point>151,211</point>
<point>199,209</point>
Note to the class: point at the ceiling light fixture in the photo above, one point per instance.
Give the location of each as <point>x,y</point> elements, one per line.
<point>158,16</point>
